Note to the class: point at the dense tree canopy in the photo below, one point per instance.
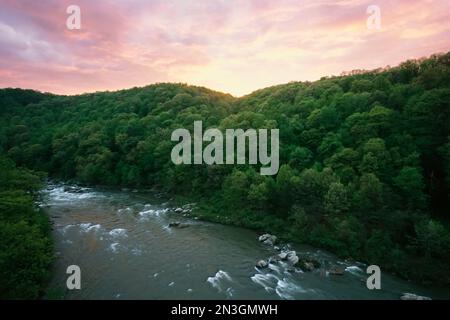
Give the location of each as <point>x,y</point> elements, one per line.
<point>364,157</point>
<point>25,244</point>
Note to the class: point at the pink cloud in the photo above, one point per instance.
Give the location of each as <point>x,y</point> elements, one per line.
<point>229,45</point>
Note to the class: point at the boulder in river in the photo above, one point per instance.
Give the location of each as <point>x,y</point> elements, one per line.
<point>292,258</point>
<point>174,224</point>
<point>308,266</point>
<point>412,296</point>
<point>290,253</point>
<point>187,208</point>
<point>312,260</point>
<point>177,224</point>
<point>262,264</point>
<point>308,263</point>
<point>337,270</point>
<point>268,239</point>
<point>283,255</point>
<point>304,262</point>
<point>178,210</point>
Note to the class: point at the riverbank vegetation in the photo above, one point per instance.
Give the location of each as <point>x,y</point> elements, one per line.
<point>26,249</point>
<point>365,157</point>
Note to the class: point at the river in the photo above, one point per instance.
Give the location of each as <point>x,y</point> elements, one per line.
<point>122,242</point>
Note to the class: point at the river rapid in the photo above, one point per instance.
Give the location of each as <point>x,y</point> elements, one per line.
<point>125,248</point>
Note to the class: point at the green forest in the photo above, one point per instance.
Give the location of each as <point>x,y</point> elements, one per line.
<point>364,163</point>
<point>26,250</point>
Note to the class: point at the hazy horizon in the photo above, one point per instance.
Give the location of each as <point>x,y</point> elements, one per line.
<point>212,89</point>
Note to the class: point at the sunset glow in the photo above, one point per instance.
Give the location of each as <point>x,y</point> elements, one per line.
<point>233,46</point>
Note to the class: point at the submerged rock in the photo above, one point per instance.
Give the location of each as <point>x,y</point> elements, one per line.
<point>262,264</point>
<point>174,224</point>
<point>412,296</point>
<point>336,270</point>
<point>308,263</point>
<point>177,224</point>
<point>308,266</point>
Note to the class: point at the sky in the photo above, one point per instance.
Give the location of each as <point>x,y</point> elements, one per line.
<point>233,46</point>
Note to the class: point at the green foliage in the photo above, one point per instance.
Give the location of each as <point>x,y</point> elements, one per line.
<point>410,184</point>
<point>336,199</point>
<point>378,246</point>
<point>25,244</point>
<point>364,157</point>
<point>432,240</point>
<point>235,188</point>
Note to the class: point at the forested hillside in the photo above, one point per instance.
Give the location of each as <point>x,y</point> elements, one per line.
<point>25,244</point>
<point>365,157</point>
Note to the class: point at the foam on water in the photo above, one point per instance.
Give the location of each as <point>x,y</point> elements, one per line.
<point>355,270</point>
<point>266,280</point>
<point>87,227</point>
<point>114,246</point>
<point>229,292</point>
<point>275,268</point>
<point>126,210</point>
<point>59,194</point>
<point>145,215</point>
<point>219,280</point>
<point>119,232</point>
<point>64,229</point>
<point>136,251</point>
<point>286,289</point>
<point>94,227</point>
